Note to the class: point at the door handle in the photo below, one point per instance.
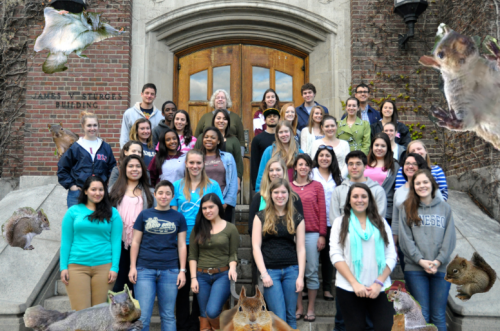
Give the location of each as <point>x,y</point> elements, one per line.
<point>247,138</point>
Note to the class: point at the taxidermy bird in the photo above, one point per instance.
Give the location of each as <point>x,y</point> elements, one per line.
<point>63,138</point>
<point>471,84</point>
<point>23,225</point>
<point>65,33</point>
<point>251,315</point>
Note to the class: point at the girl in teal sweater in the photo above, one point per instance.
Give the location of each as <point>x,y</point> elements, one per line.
<point>90,246</point>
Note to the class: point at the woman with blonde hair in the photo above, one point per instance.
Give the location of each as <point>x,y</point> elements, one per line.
<point>141,131</point>
<point>288,113</point>
<point>278,244</point>
<point>313,130</point>
<point>88,156</point>
<point>284,147</point>
<point>418,147</point>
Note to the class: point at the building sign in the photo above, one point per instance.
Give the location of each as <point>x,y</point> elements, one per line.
<point>84,100</point>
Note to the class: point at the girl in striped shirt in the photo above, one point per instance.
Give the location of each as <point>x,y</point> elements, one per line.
<point>418,147</point>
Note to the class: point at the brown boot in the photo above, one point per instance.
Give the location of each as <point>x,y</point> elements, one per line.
<point>205,324</point>
<point>214,322</point>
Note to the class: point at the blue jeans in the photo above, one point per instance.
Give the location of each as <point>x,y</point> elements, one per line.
<point>214,290</point>
<point>431,291</point>
<point>152,282</point>
<point>281,298</point>
<point>72,198</point>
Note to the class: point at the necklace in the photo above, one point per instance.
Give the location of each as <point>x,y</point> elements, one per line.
<point>301,186</point>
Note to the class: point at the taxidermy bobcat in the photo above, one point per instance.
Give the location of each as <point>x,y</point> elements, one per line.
<point>120,314</point>
<point>251,315</point>
<point>23,225</point>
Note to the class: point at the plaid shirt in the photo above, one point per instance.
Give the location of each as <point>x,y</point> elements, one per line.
<point>364,114</point>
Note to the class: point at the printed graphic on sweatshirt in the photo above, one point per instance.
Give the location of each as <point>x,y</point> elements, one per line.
<point>157,226</point>
<point>433,220</point>
<point>149,154</point>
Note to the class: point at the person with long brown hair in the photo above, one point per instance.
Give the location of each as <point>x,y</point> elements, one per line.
<point>427,238</point>
<point>270,99</point>
<point>363,253</point>
<point>169,163</point>
<point>129,195</point>
<point>353,129</point>
<point>213,259</point>
<point>182,125</point>
<point>141,131</point>
<point>131,147</point>
<point>382,168</point>
<point>389,113</point>
<point>89,155</point>
<point>278,244</point>
<point>188,193</point>
<point>284,146</point>
<point>313,131</point>
<point>288,113</point>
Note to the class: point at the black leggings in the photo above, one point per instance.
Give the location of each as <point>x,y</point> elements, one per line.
<point>124,266</point>
<point>355,309</point>
<point>187,313</point>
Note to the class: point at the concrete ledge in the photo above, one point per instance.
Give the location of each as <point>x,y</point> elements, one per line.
<point>27,182</point>
<point>475,232</point>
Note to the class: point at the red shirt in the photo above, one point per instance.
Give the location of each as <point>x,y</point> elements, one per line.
<point>313,202</point>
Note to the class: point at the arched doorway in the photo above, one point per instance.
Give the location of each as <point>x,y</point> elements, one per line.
<point>245,71</point>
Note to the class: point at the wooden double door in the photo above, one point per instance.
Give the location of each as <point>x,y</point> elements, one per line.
<point>245,71</point>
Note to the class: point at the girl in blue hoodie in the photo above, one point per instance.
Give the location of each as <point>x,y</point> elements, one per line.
<point>427,238</point>
<point>88,156</point>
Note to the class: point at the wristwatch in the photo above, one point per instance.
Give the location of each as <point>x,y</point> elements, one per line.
<point>182,270</point>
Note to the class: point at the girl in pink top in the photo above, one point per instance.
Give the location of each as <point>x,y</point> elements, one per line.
<point>182,125</point>
<point>130,195</point>
<point>380,159</point>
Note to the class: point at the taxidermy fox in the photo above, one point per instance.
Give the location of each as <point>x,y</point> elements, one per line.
<point>251,315</point>
<point>471,85</point>
<point>63,138</point>
<point>121,314</point>
<point>23,225</point>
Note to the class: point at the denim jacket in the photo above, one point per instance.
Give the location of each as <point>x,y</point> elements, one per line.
<point>231,190</point>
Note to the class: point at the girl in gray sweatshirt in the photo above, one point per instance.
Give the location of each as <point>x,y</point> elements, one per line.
<point>427,238</point>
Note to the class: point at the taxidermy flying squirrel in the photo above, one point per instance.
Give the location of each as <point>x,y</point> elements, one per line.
<point>65,33</point>
<point>63,138</point>
<point>471,85</point>
<point>474,276</point>
<point>23,225</point>
<point>251,315</point>
<point>405,304</point>
<point>121,314</point>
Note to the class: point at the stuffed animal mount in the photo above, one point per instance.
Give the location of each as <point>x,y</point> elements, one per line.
<point>26,223</point>
<point>251,314</point>
<point>63,138</point>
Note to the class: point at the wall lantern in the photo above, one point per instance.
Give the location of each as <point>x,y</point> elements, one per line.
<point>409,10</point>
<point>73,6</point>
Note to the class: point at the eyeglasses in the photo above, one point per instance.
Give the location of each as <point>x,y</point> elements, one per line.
<point>330,148</point>
<point>362,92</point>
<point>411,165</point>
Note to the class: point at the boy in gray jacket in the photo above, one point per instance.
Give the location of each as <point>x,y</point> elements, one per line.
<point>144,109</point>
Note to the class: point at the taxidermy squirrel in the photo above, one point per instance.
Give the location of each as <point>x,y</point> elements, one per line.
<point>23,225</point>
<point>121,314</point>
<point>471,85</point>
<point>251,315</point>
<point>405,304</point>
<point>474,276</point>
<point>63,138</point>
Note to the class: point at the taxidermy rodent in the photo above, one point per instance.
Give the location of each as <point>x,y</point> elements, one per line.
<point>119,315</point>
<point>474,276</point>
<point>409,307</point>
<point>251,315</point>
<point>63,138</point>
<point>471,85</point>
<point>23,225</point>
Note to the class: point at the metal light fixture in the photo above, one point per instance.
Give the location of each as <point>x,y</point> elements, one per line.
<point>409,10</point>
<point>73,6</point>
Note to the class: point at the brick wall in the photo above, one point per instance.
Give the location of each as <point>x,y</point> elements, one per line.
<point>99,84</point>
<point>377,60</point>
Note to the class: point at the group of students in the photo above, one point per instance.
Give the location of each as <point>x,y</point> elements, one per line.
<point>318,198</point>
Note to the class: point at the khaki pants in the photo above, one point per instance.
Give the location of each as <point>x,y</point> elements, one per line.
<point>88,286</point>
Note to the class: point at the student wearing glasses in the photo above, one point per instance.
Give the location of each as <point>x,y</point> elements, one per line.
<point>367,112</point>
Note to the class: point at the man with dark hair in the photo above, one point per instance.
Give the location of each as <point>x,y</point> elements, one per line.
<point>168,110</point>
<point>368,113</point>
<point>262,141</point>
<point>144,109</point>
<point>356,162</point>
<point>308,92</point>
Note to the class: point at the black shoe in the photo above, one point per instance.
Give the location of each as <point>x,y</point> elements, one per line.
<point>328,298</point>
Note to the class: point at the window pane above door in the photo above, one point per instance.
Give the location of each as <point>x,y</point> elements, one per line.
<point>260,82</point>
<point>284,86</point>
<point>222,78</point>
<point>198,86</point>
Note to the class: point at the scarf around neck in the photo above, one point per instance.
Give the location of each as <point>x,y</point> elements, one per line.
<point>356,235</point>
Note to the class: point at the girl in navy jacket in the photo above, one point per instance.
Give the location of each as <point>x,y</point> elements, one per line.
<point>88,156</point>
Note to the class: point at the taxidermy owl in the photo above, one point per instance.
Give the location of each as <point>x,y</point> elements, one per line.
<point>65,33</point>
<point>23,225</point>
